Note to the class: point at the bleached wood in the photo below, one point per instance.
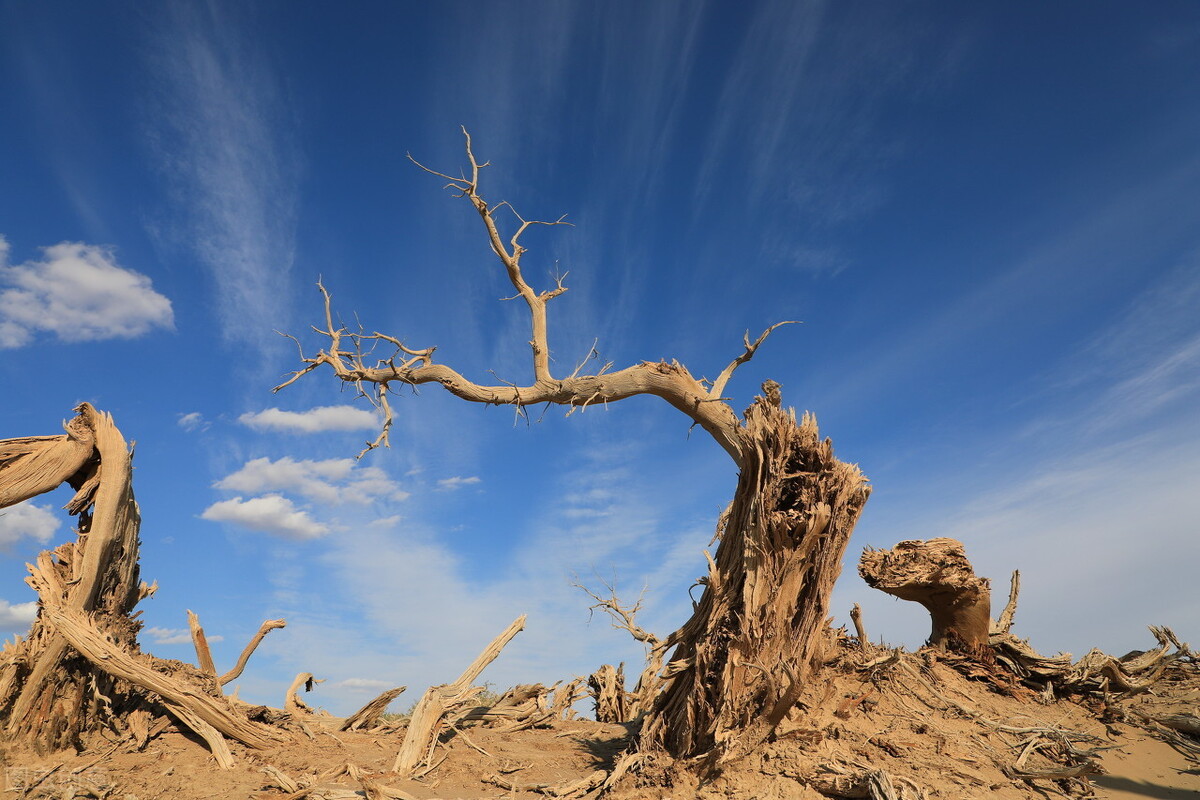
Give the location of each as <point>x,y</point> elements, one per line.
<point>937,574</point>
<point>859,629</point>
<point>428,718</point>
<point>204,658</point>
<point>33,465</point>
<point>292,702</point>
<point>184,701</point>
<point>1005,622</point>
<point>249,649</point>
<point>368,716</point>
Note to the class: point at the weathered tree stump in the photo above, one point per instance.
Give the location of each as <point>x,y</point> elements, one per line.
<point>936,574</point>
<point>80,669</point>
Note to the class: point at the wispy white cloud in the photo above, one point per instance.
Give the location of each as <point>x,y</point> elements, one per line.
<point>363,685</point>
<point>27,520</point>
<point>175,636</point>
<point>17,617</point>
<point>457,482</point>
<point>220,132</point>
<point>335,480</point>
<point>79,293</point>
<point>314,420</point>
<point>272,513</point>
<point>168,636</point>
<point>192,421</point>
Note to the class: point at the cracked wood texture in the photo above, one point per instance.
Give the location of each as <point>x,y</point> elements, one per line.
<point>80,670</point>
<point>760,627</point>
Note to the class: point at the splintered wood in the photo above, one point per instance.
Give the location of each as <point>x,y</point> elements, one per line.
<point>429,716</point>
<point>80,669</point>
<point>742,660</point>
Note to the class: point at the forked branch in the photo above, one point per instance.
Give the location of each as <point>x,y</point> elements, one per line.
<point>350,354</point>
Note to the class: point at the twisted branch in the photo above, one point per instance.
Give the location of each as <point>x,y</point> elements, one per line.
<point>347,352</point>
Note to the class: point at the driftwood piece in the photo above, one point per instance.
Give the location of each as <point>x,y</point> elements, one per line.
<point>569,789</point>
<point>368,716</point>
<point>936,574</point>
<point>1005,622</point>
<point>80,664</point>
<point>263,630</point>
<point>184,701</point>
<point>565,697</point>
<point>47,702</point>
<point>429,716</point>
<point>292,702</point>
<point>204,658</point>
<point>859,629</point>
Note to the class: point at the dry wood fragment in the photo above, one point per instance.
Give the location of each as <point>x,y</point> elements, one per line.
<point>263,630</point>
<point>859,629</point>
<point>569,789</point>
<point>368,716</point>
<point>607,686</point>
<point>282,780</point>
<point>204,658</point>
<point>428,718</point>
<point>1005,622</point>
<point>183,701</point>
<point>292,702</point>
<point>33,465</point>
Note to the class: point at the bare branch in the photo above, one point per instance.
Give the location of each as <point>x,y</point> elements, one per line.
<point>344,351</point>
<point>204,658</point>
<point>263,630</point>
<point>623,619</point>
<point>718,385</point>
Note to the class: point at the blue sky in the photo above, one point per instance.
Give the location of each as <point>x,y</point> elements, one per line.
<point>987,216</point>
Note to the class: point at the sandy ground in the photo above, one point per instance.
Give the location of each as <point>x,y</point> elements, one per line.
<point>928,727</point>
<point>1146,768</point>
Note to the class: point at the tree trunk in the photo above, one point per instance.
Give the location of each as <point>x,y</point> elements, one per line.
<point>742,659</point>
<point>936,574</point>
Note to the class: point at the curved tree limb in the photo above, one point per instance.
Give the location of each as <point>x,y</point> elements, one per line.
<point>263,630</point>
<point>349,353</point>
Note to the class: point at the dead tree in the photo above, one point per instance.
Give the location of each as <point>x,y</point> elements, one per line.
<point>79,670</point>
<point>740,662</point>
<point>936,574</point>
